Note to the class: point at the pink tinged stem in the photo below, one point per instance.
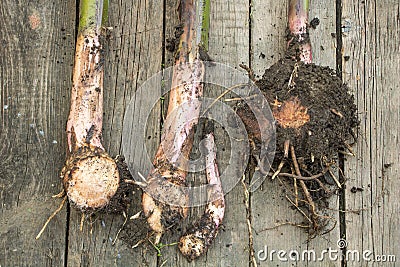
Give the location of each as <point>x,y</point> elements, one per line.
<point>184,103</point>
<point>187,87</point>
<point>165,200</point>
<point>298,27</point>
<point>85,119</point>
<point>197,239</point>
<point>215,195</point>
<point>90,176</point>
<point>182,115</point>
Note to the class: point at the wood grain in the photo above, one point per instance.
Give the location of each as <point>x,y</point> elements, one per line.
<point>134,54</point>
<point>36,54</point>
<point>268,41</point>
<point>229,25</point>
<point>36,57</point>
<point>269,22</point>
<point>269,205</point>
<point>371,63</point>
<point>323,41</point>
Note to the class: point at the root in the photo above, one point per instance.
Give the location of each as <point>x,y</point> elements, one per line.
<point>296,192</point>
<point>300,210</point>
<point>346,153</point>
<point>304,187</point>
<point>260,165</point>
<point>143,240</point>
<point>302,178</point>
<point>335,178</point>
<point>276,173</point>
<point>199,237</point>
<point>349,149</point>
<point>221,96</point>
<point>285,156</point>
<point>249,227</point>
<point>82,222</point>
<point>241,98</point>
<point>298,179</point>
<point>128,181</point>
<point>120,229</point>
<point>250,72</point>
<point>284,224</point>
<point>321,184</point>
<point>294,74</point>
<point>337,113</point>
<point>51,217</point>
<point>59,195</point>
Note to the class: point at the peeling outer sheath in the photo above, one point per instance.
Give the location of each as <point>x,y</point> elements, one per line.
<point>86,112</point>
<point>197,239</point>
<point>85,120</point>
<point>298,26</point>
<point>161,206</point>
<point>216,193</point>
<point>90,176</point>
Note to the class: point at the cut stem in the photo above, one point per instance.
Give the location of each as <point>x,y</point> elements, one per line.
<point>166,200</point>
<point>197,239</point>
<point>298,27</point>
<point>90,176</point>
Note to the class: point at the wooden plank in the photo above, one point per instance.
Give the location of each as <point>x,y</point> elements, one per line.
<point>371,63</point>
<point>170,255</point>
<point>228,44</point>
<point>134,54</point>
<point>269,22</point>
<point>323,37</point>
<point>323,41</point>
<point>269,205</point>
<point>37,40</point>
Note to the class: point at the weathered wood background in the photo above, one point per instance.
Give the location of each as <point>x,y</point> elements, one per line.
<point>360,39</point>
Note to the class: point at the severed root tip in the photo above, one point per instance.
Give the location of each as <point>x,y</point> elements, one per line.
<point>165,203</point>
<point>199,237</point>
<point>161,216</point>
<point>196,241</point>
<point>90,177</point>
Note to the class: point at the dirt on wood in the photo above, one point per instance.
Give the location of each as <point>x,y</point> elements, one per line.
<point>127,200</point>
<point>331,109</point>
<point>316,116</point>
<point>126,192</point>
<point>172,43</point>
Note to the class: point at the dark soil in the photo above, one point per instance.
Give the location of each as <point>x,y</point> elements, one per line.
<point>314,23</point>
<point>315,112</point>
<point>135,232</point>
<point>172,43</point>
<point>330,106</point>
<point>125,194</point>
<point>128,199</point>
<point>331,109</point>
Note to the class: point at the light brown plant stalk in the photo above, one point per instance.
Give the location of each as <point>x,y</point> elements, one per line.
<point>298,27</point>
<point>198,238</point>
<point>90,176</point>
<point>166,200</point>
